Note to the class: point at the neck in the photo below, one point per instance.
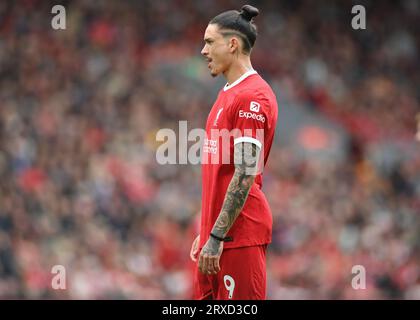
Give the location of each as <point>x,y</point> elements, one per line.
<point>237,69</point>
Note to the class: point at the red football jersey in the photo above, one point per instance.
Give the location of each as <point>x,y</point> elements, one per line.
<point>248,109</point>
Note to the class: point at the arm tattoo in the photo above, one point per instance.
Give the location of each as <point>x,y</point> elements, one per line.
<point>246,159</point>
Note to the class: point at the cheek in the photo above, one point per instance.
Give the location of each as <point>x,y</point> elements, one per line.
<point>219,55</point>
<point>213,53</point>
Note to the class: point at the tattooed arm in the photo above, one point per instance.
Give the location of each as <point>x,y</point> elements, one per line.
<point>246,157</point>
<point>245,170</point>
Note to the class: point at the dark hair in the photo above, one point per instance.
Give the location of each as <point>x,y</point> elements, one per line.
<point>240,23</point>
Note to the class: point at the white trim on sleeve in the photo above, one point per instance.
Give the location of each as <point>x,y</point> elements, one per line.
<point>247,139</point>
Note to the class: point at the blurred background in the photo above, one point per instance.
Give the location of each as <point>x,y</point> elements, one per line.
<point>79,182</point>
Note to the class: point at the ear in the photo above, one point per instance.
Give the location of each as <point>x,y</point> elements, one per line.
<point>234,44</point>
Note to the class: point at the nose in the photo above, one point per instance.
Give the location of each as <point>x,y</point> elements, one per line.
<point>204,51</point>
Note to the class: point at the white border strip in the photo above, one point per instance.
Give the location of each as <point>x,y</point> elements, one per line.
<point>247,139</point>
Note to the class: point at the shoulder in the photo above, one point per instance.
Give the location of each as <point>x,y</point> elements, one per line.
<point>256,88</point>
<point>252,95</point>
<point>258,97</point>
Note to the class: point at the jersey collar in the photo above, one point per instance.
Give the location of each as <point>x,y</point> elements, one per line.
<point>240,79</point>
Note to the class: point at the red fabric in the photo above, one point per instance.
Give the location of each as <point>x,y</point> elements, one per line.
<point>245,266</point>
<point>247,106</point>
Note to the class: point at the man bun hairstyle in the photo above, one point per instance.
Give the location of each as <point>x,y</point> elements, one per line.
<point>239,23</point>
<point>249,12</point>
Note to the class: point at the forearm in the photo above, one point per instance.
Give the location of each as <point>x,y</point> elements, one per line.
<point>235,198</point>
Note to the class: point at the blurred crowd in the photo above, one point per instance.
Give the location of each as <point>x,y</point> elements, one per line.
<point>79,182</point>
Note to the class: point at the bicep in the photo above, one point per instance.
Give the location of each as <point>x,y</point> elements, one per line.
<point>246,157</point>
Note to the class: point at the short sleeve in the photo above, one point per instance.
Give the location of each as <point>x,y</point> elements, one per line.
<point>250,117</point>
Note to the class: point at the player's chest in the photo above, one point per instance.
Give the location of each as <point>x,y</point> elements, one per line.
<point>219,114</point>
